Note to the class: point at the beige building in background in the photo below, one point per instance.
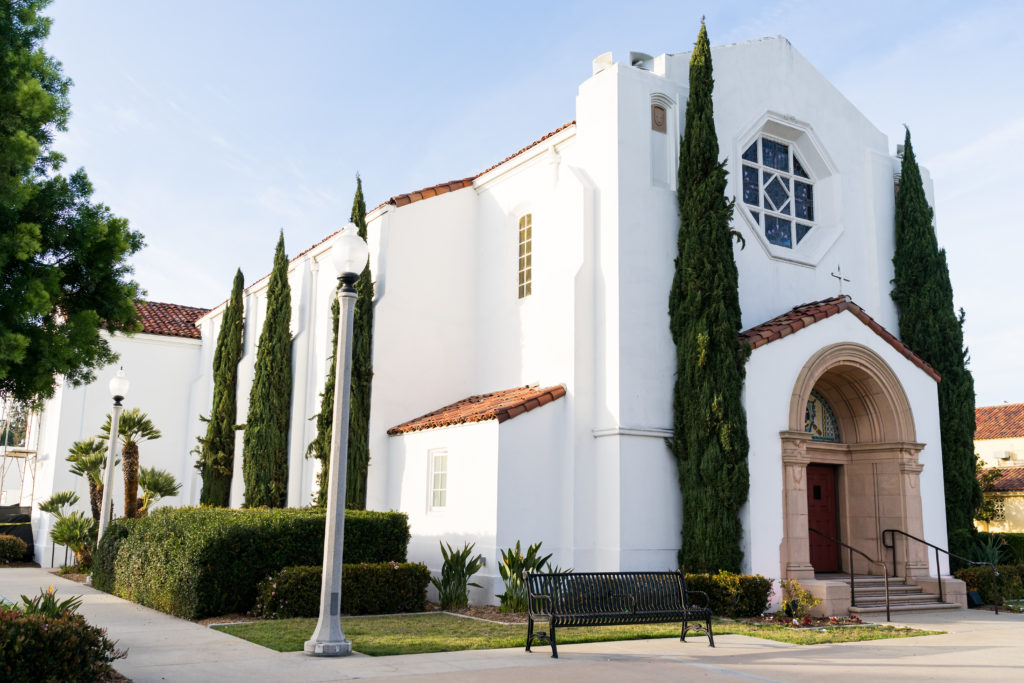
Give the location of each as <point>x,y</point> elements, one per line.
<point>999,443</point>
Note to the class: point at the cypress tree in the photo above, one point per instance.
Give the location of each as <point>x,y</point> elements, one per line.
<point>217,448</point>
<point>265,445</point>
<point>709,433</point>
<point>362,371</point>
<point>931,327</point>
<point>362,375</point>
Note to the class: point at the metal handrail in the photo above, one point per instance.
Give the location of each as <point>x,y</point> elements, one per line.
<point>853,593</point>
<point>938,569</point>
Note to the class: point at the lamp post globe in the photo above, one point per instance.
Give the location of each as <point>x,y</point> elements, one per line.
<point>349,256</point>
<point>118,386</point>
<point>349,253</point>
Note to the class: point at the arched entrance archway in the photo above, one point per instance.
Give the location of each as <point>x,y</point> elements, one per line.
<point>875,460</point>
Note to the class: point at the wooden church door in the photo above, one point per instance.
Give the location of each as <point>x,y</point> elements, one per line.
<point>822,515</point>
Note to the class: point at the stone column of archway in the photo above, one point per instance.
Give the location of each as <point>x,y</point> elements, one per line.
<point>795,552</point>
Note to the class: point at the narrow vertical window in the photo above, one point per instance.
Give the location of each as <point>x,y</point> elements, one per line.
<point>525,255</point>
<point>438,478</point>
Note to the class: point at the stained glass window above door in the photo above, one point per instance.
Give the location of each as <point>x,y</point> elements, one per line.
<point>819,421</point>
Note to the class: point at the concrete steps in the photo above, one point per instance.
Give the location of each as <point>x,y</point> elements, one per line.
<point>869,592</point>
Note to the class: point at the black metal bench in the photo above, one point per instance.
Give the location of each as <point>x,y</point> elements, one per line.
<point>612,598</point>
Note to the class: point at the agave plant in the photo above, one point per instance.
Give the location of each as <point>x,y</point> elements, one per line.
<point>134,426</point>
<point>88,458</point>
<point>156,484</point>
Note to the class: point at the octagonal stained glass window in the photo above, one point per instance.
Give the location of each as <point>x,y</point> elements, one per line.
<point>777,192</point>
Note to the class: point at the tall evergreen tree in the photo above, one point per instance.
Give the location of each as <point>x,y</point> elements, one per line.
<point>709,437</point>
<point>217,448</point>
<point>362,371</point>
<point>362,375</point>
<point>64,271</point>
<point>931,327</point>
<point>265,443</point>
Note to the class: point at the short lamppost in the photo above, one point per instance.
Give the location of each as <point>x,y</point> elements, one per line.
<point>119,385</point>
<point>328,640</point>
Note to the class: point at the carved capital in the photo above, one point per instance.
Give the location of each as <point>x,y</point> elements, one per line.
<point>794,447</point>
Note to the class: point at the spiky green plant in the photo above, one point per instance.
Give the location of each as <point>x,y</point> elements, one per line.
<point>458,567</point>
<point>133,428</point>
<point>156,484</point>
<point>217,447</point>
<point>513,564</point>
<point>88,458</point>
<point>59,502</point>
<point>930,326</point>
<point>77,532</point>
<point>265,444</point>
<point>709,437</point>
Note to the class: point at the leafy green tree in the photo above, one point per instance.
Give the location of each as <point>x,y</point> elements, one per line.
<point>134,426</point>
<point>709,437</point>
<point>265,445</point>
<point>362,376</point>
<point>217,448</point>
<point>156,484</point>
<point>88,458</point>
<point>63,259</point>
<point>929,325</point>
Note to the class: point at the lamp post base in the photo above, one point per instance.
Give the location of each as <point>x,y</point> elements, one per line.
<point>317,648</point>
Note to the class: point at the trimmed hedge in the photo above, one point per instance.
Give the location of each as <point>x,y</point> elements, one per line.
<point>103,558</point>
<point>378,588</point>
<point>200,562</point>
<point>12,548</point>
<point>733,595</point>
<point>1011,581</point>
<point>34,647</point>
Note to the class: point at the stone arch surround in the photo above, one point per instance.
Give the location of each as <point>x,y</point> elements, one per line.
<point>878,468</point>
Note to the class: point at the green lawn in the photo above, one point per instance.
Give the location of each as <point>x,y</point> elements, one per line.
<point>418,633</point>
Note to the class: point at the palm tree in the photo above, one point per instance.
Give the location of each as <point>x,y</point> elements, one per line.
<point>88,458</point>
<point>134,426</point>
<point>156,484</point>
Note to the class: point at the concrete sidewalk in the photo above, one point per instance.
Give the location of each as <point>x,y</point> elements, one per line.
<point>978,645</point>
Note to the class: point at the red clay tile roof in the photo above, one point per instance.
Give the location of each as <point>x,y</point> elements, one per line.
<point>1012,479</point>
<point>808,314</point>
<point>172,320</point>
<point>500,406</point>
<point>999,422</point>
<point>451,186</point>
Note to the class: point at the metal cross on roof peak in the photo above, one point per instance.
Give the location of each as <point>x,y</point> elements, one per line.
<point>839,276</point>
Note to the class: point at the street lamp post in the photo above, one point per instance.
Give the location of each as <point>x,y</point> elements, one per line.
<point>328,640</point>
<point>119,386</point>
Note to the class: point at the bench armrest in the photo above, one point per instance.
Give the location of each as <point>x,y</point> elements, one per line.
<point>707,600</point>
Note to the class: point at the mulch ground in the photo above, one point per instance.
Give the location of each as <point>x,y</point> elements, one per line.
<point>803,622</point>
<point>15,565</point>
<point>489,612</point>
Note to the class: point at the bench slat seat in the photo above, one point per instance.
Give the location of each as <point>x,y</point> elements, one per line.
<point>612,598</point>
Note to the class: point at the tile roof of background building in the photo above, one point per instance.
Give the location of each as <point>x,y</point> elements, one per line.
<point>999,422</point>
<point>807,314</point>
<point>499,405</point>
<point>1012,479</point>
<point>171,320</point>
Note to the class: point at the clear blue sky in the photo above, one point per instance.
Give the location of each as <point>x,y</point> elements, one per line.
<point>212,125</point>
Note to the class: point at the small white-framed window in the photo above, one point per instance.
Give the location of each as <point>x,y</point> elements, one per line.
<point>437,495</point>
<point>525,255</point>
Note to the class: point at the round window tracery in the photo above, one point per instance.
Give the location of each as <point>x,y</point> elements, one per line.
<point>819,421</point>
<point>777,191</point>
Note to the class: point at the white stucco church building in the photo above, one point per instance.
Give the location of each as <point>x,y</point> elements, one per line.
<point>523,366</point>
